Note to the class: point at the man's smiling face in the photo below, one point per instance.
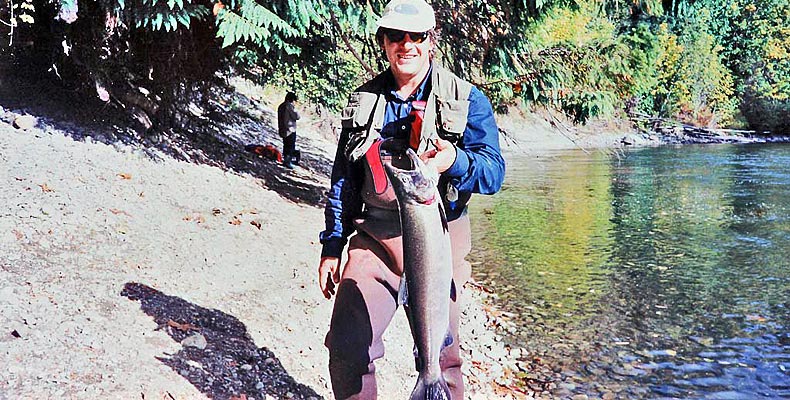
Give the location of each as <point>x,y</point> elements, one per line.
<point>408,59</point>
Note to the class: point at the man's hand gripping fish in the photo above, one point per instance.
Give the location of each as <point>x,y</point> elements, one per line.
<point>427,270</point>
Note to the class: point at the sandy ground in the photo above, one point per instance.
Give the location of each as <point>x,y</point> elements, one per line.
<point>83,222</point>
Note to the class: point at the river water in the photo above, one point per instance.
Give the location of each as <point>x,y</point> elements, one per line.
<point>654,273</point>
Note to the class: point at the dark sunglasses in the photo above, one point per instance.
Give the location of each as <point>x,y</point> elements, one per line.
<point>396,36</point>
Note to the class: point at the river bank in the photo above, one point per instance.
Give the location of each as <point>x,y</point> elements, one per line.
<point>136,264</point>
<point>128,277</point>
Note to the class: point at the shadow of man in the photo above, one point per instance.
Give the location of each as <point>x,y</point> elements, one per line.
<point>218,356</point>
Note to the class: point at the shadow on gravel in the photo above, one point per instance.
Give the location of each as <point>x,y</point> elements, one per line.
<point>215,124</point>
<point>218,356</point>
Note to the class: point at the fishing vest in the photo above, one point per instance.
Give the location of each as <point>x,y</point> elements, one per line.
<point>445,116</point>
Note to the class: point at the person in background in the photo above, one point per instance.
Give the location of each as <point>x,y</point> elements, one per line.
<point>286,124</point>
<point>414,103</point>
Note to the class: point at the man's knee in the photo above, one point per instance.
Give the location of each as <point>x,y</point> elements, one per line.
<point>347,353</point>
<point>348,372</point>
<point>349,340</point>
<point>350,331</point>
<point>349,362</point>
<point>450,358</point>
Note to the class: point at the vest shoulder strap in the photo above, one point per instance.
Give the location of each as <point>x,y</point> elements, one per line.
<point>446,112</point>
<point>363,116</point>
<point>447,85</point>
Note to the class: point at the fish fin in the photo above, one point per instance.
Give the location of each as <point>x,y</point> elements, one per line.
<point>403,291</point>
<point>437,390</point>
<point>448,340</point>
<point>453,293</point>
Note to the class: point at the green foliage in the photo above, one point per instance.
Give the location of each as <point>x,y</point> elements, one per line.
<point>327,81</point>
<point>167,16</point>
<point>323,69</point>
<point>702,61</point>
<point>692,83</point>
<point>359,19</point>
<point>751,38</point>
<point>577,60</point>
<point>643,57</point>
<point>764,68</point>
<point>256,23</point>
<point>579,27</point>
<point>571,63</point>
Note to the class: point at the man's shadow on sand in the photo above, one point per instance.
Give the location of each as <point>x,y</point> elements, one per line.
<point>221,360</point>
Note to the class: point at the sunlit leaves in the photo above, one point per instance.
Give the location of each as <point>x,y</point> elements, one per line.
<point>576,27</point>
<point>570,61</point>
<point>167,15</point>
<point>23,12</point>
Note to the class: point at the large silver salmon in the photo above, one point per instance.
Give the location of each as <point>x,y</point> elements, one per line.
<point>427,270</point>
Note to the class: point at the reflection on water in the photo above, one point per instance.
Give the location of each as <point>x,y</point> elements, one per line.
<point>664,272</point>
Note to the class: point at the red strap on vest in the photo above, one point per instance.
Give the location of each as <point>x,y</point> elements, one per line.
<point>373,157</point>
<point>418,111</point>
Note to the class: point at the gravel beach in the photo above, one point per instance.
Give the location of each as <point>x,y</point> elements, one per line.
<point>129,274</point>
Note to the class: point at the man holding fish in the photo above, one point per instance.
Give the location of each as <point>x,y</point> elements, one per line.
<point>407,246</point>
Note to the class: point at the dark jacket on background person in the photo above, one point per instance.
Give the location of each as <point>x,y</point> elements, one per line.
<point>286,119</point>
<point>455,110</point>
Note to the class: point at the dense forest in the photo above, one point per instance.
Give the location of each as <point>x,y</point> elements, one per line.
<point>710,63</point>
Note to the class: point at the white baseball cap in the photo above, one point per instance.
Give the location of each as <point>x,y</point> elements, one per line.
<point>408,16</point>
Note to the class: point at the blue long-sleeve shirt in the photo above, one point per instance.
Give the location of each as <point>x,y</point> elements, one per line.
<point>478,167</point>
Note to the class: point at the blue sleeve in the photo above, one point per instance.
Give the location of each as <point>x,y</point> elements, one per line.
<point>479,166</point>
<point>342,205</point>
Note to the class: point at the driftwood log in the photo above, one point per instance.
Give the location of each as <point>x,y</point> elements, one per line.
<point>671,131</point>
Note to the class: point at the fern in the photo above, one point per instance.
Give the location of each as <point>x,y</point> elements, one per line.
<point>303,13</point>
<point>167,15</point>
<point>252,22</point>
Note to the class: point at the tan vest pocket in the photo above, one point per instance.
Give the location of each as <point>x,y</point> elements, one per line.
<point>452,116</point>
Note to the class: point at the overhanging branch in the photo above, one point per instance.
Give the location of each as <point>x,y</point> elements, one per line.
<point>349,46</point>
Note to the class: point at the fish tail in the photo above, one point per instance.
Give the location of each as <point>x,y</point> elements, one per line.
<point>437,390</point>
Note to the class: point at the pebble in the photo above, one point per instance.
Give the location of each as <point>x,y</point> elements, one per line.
<point>567,386</point>
<point>7,295</point>
<point>196,340</point>
<point>48,209</point>
<point>25,122</point>
<point>7,118</point>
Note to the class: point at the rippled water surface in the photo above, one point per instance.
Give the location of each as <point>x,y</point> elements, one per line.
<point>658,273</point>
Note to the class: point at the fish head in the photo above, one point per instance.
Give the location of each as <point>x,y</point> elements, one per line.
<point>415,184</point>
